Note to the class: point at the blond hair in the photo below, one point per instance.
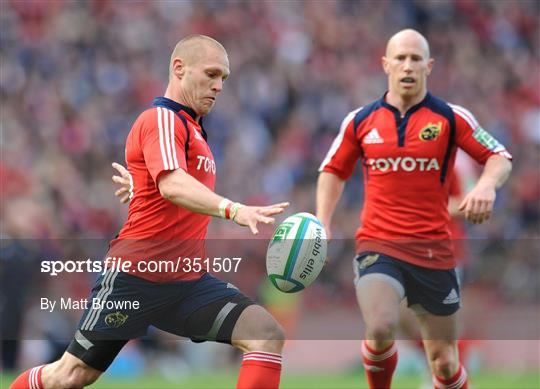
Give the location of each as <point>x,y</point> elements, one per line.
<point>192,48</point>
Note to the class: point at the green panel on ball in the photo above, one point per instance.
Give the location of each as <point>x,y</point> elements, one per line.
<point>279,281</point>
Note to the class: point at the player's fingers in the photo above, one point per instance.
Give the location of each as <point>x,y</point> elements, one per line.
<point>266,220</point>
<point>478,213</point>
<point>125,199</point>
<point>253,227</point>
<point>473,210</point>
<point>121,191</point>
<point>475,207</point>
<point>469,209</point>
<point>121,169</point>
<point>483,208</point>
<point>487,207</point>
<point>463,204</point>
<point>120,180</point>
<point>280,205</point>
<point>269,211</point>
<point>466,208</point>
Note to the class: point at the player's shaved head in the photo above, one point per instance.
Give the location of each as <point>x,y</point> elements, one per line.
<point>193,48</point>
<point>407,36</point>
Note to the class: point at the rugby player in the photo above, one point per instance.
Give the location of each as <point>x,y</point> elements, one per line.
<point>173,174</point>
<point>407,142</point>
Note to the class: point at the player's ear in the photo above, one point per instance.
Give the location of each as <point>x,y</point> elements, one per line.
<point>178,68</point>
<point>430,63</point>
<point>385,64</point>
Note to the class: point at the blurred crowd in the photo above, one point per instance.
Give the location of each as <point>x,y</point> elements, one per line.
<point>75,75</point>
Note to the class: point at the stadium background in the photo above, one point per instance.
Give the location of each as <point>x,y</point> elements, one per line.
<point>75,75</point>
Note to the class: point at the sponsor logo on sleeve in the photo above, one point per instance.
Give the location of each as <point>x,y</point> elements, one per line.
<point>487,140</point>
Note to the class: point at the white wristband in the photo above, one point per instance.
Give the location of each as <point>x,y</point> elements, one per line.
<point>223,204</point>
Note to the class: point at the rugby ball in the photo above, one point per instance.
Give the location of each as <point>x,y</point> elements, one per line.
<point>296,252</point>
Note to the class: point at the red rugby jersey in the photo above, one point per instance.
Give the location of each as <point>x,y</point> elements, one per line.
<point>457,227</point>
<point>164,138</point>
<point>406,164</point>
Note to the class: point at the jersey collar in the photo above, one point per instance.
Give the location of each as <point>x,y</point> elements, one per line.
<point>414,108</point>
<point>174,106</point>
<point>177,107</point>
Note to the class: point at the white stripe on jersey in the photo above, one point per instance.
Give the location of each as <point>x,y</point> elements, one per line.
<point>339,138</point>
<point>465,115</point>
<point>167,135</point>
<point>173,144</point>
<point>161,142</point>
<point>473,123</point>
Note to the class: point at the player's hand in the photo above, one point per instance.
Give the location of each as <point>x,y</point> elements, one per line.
<point>125,181</point>
<point>478,204</point>
<point>251,216</point>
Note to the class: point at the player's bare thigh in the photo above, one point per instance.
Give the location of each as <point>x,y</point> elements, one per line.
<point>68,372</point>
<point>408,325</point>
<point>257,330</point>
<point>379,297</point>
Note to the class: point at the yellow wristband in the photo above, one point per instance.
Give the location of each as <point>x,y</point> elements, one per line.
<point>234,210</point>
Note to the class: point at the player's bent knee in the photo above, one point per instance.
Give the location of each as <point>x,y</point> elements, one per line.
<point>258,331</point>
<point>383,330</point>
<point>444,362</point>
<point>445,367</point>
<point>270,337</point>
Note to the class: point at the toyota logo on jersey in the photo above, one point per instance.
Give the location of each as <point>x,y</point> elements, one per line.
<point>407,164</point>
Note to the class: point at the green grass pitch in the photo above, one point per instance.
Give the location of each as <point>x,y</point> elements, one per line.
<point>483,380</point>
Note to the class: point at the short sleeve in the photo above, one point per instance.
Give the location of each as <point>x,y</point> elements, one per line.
<point>473,139</point>
<point>163,142</point>
<point>345,150</point>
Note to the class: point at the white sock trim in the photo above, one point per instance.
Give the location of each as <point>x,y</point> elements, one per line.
<point>33,380</point>
<point>378,357</point>
<point>455,385</point>
<point>263,357</point>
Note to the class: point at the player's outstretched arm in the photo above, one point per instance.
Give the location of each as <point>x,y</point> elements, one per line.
<point>125,192</point>
<point>478,204</point>
<point>329,190</point>
<point>184,190</point>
